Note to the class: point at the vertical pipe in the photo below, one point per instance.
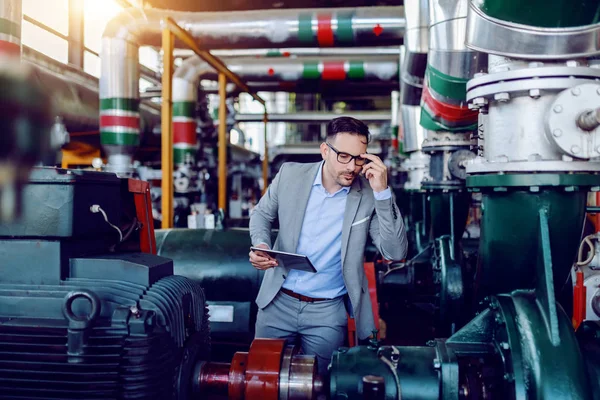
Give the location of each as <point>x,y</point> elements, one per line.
<point>265,166</point>
<point>10,28</point>
<point>168,43</point>
<point>76,47</point>
<point>222,142</point>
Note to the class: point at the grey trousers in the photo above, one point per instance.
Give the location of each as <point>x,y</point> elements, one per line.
<point>321,327</point>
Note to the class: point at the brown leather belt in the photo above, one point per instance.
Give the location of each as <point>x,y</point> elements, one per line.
<point>301,297</point>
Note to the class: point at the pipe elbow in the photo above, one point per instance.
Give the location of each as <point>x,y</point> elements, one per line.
<point>133,23</point>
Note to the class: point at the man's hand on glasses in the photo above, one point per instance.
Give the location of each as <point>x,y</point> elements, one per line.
<point>375,171</point>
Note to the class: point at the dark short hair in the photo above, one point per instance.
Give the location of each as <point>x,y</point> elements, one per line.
<point>347,125</point>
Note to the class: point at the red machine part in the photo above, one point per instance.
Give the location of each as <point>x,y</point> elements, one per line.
<point>269,371</point>
<point>262,373</point>
<point>579,298</point>
<point>143,208</point>
<point>372,279</point>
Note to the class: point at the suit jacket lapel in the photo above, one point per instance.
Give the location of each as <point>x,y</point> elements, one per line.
<point>302,201</point>
<point>352,203</point>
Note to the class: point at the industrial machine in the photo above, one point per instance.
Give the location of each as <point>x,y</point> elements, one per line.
<point>433,285</point>
<point>218,261</point>
<point>536,106</point>
<point>500,102</point>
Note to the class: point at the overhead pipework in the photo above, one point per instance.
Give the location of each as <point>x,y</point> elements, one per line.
<point>119,92</point>
<point>414,63</point>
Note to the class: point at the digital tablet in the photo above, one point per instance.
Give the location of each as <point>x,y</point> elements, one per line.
<point>289,260</point>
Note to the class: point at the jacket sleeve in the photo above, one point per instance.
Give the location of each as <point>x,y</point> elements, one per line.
<point>387,230</point>
<point>265,213</point>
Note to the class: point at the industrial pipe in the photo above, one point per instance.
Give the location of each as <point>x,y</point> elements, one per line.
<point>75,94</point>
<point>10,34</point>
<point>413,72</point>
<point>450,66</point>
<point>326,88</point>
<point>194,69</point>
<point>414,63</point>
<point>315,117</point>
<point>182,35</point>
<point>119,92</point>
<point>299,52</point>
<point>342,27</point>
<point>383,68</point>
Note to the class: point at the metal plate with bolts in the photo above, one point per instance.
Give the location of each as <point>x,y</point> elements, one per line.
<point>534,72</point>
<point>491,35</point>
<point>561,122</point>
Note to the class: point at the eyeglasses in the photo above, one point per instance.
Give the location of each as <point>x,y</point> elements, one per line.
<point>345,158</point>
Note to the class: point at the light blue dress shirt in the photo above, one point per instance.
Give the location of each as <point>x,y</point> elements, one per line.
<point>321,240</point>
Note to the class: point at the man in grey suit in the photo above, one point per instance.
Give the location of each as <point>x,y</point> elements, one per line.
<point>325,211</point>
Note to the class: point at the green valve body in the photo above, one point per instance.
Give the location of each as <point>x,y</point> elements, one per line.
<point>509,226</point>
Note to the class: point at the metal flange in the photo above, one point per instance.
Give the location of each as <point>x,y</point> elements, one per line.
<point>562,121</point>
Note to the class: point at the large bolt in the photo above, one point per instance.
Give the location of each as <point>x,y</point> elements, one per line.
<point>575,149</point>
<point>437,364</point>
<point>575,91</point>
<point>505,345</point>
<point>557,133</point>
<point>535,93</point>
<point>502,97</point>
<point>480,101</point>
<point>589,120</point>
<point>557,109</point>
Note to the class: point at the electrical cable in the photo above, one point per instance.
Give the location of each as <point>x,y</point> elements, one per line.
<point>97,209</point>
<point>587,240</point>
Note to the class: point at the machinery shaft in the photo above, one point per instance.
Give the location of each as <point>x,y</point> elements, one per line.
<point>271,370</point>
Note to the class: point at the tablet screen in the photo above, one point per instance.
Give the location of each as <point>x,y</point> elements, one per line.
<point>289,260</point>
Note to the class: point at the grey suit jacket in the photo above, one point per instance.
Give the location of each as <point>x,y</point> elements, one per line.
<point>287,198</point>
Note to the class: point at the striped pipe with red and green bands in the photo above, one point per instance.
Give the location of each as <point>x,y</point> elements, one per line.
<point>10,30</point>
<point>119,122</point>
<point>327,33</point>
<point>184,131</point>
<point>333,70</point>
<point>452,114</point>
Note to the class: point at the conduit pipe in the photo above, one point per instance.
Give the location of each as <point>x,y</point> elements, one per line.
<point>300,52</point>
<point>193,69</point>
<point>119,92</point>
<point>315,117</point>
<point>412,74</point>
<point>10,28</point>
<point>450,65</point>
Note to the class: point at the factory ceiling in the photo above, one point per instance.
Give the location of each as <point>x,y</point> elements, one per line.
<point>240,5</point>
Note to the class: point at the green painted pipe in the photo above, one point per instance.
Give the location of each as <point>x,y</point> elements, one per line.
<point>544,13</point>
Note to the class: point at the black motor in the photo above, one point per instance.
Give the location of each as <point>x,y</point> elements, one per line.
<point>84,313</point>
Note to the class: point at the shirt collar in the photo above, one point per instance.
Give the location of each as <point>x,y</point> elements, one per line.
<point>319,180</point>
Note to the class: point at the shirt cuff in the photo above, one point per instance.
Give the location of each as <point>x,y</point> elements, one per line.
<point>384,195</point>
